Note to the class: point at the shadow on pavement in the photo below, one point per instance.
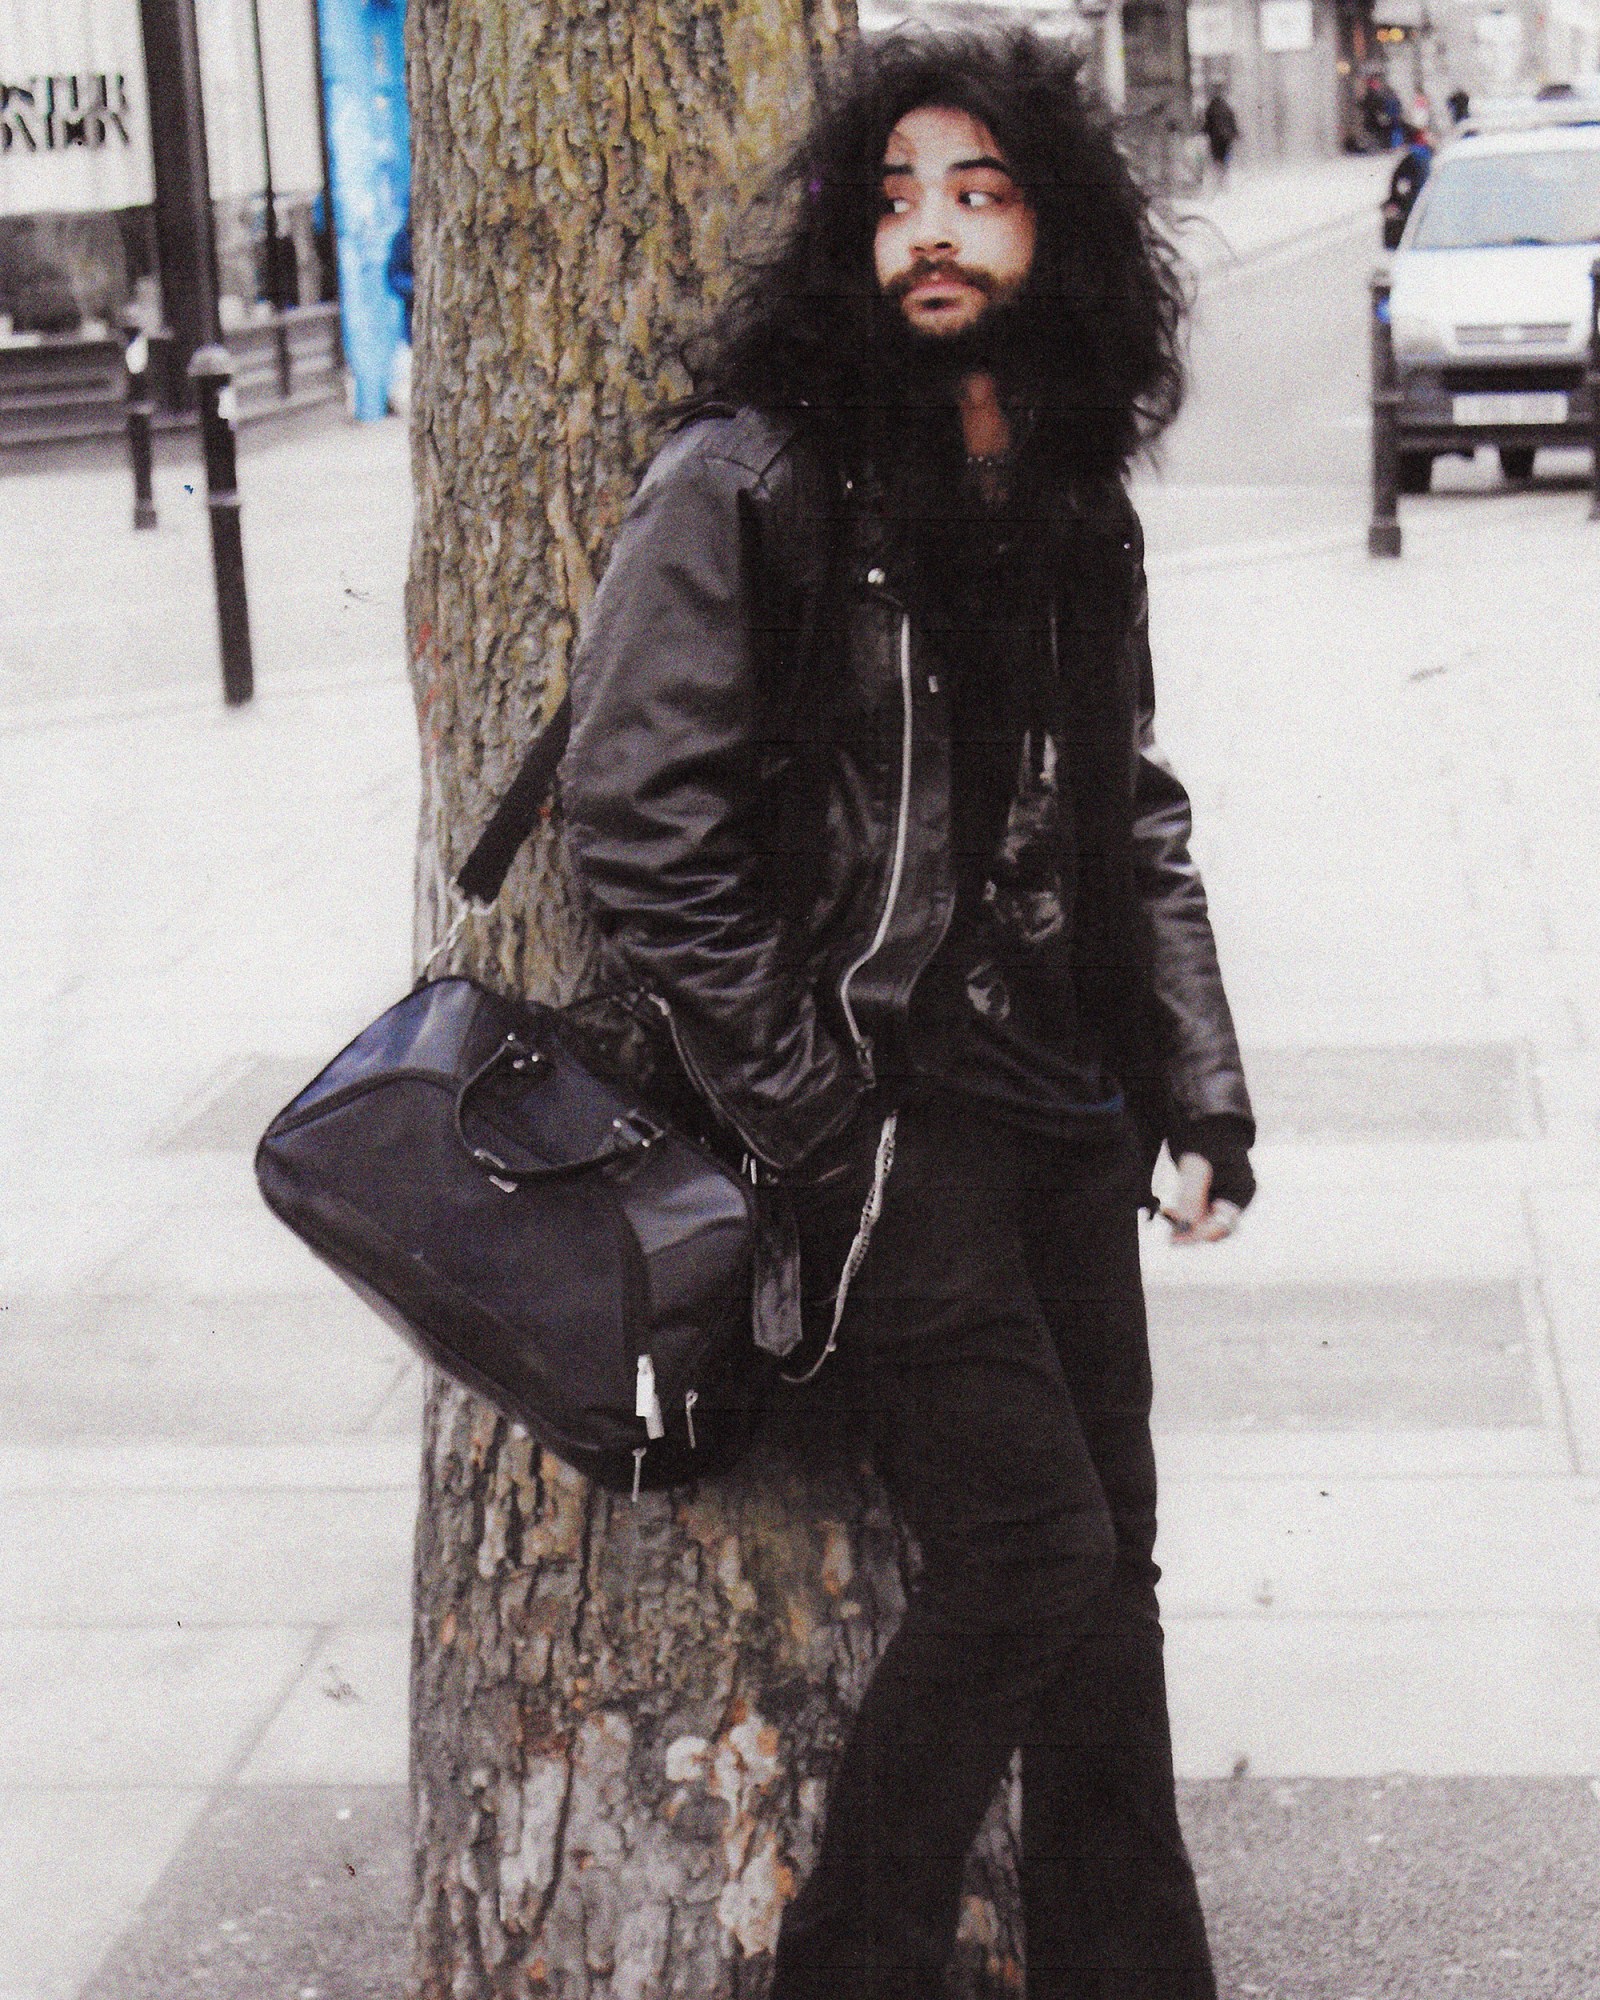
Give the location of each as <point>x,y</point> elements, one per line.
<point>1316,1889</point>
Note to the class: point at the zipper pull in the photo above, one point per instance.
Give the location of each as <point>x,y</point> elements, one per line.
<point>638,1469</point>
<point>691,1397</point>
<point>646,1403</point>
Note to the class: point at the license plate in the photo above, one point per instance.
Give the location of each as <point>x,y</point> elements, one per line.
<point>1523,406</point>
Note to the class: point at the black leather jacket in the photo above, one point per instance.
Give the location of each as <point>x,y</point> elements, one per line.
<point>757,796</point>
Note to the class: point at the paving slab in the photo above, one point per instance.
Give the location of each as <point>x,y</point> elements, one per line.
<point>1514,1696</point>
<point>1265,209</point>
<point>1430,1091</point>
<point>110,1844</point>
<point>238,1249</point>
<point>1344,1356</point>
<point>250,1366</point>
<point>345,1721</point>
<point>1376,1454</point>
<point>1572,1302</point>
<point>148,625</point>
<point>376,1462</point>
<point>228,1557</point>
<point>130,1706</point>
<point>1464,1546</point>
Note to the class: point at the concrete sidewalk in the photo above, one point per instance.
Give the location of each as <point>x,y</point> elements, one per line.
<point>1380,1410</point>
<point>1264,209</point>
<point>208,1451</point>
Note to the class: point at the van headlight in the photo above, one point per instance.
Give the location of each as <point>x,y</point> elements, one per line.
<point>1416,337</point>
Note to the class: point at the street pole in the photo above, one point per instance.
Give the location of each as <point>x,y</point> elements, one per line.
<point>1383,536</point>
<point>328,245</point>
<point>186,245</point>
<point>1594,385</point>
<point>275,286</point>
<point>211,371</point>
<point>274,258</point>
<point>136,357</point>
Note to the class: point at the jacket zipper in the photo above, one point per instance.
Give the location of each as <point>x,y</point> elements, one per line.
<point>697,1077</point>
<point>897,864</point>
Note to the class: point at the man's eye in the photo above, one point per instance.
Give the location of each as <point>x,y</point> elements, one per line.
<point>894,204</point>
<point>979,198</point>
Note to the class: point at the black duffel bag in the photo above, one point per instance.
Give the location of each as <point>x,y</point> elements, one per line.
<point>515,1209</point>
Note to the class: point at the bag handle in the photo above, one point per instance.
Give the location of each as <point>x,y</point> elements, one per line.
<point>633,1132</point>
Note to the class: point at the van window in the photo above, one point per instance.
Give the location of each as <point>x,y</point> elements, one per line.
<point>1504,198</point>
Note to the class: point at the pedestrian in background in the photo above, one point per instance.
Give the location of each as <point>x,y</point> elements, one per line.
<point>1222,131</point>
<point>863,783</point>
<point>1406,183</point>
<point>1374,113</point>
<point>401,280</point>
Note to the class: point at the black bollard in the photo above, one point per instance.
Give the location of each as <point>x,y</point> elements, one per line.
<point>136,357</point>
<point>1594,385</point>
<point>211,371</point>
<point>1383,536</point>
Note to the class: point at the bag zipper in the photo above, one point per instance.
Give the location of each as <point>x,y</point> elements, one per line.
<point>646,1399</point>
<point>897,864</point>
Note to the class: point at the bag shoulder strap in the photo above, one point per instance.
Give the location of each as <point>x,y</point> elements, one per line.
<point>486,867</point>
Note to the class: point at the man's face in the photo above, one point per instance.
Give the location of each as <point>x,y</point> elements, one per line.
<point>956,234</point>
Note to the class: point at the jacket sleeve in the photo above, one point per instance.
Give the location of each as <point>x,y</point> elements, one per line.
<point>660,789</point>
<point>1202,1070</point>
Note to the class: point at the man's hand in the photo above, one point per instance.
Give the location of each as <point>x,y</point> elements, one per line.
<point>1194,1216</point>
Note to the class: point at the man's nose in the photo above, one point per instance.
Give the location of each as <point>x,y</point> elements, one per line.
<point>933,235</point>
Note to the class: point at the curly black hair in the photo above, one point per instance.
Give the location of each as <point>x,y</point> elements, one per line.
<point>1099,324</point>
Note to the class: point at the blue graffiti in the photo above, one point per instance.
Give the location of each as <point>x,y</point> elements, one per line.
<point>369,157</point>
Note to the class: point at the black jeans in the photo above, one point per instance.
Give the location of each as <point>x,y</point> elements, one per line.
<point>995,1347</point>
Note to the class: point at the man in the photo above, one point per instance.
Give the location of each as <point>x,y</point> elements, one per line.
<point>862,784</point>
<point>1221,128</point>
<point>1406,183</point>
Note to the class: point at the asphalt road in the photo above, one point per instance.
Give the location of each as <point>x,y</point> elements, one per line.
<point>1274,437</point>
<point>1274,441</point>
<point>1278,392</point>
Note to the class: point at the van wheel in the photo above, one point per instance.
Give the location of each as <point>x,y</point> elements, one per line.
<point>1416,471</point>
<point>1516,462</point>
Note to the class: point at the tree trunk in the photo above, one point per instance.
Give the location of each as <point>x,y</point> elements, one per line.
<point>622,1714</point>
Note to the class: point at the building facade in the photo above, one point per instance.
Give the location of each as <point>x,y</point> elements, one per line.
<point>206,169</point>
<point>1282,64</point>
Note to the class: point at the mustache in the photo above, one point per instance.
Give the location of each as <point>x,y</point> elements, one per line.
<point>941,267</point>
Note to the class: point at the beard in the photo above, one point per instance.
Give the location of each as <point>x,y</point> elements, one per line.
<point>927,366</point>
<point>911,431</point>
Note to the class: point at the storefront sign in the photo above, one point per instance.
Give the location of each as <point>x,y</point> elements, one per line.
<point>74,135</point>
<point>1286,26</point>
<point>1211,28</point>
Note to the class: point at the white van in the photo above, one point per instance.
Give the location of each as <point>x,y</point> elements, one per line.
<point>1491,301</point>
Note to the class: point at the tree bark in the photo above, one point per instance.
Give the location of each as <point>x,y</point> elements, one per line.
<point>623,1714</point>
